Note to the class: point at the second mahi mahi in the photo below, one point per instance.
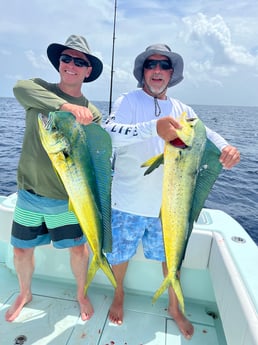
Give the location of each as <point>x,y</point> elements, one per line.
<point>191,166</point>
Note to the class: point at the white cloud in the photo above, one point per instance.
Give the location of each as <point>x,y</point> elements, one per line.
<point>218,44</point>
<point>215,56</point>
<point>212,37</point>
<point>39,62</point>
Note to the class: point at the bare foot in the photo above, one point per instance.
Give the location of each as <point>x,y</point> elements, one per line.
<point>86,308</point>
<point>116,311</point>
<point>183,324</point>
<point>17,306</point>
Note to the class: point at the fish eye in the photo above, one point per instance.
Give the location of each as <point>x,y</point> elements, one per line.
<point>66,153</point>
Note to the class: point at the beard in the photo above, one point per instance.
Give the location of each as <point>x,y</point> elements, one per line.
<point>155,91</point>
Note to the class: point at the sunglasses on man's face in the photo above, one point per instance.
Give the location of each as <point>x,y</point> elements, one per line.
<point>77,61</point>
<point>163,64</point>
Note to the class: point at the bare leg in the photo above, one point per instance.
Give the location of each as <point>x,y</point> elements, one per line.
<point>116,311</point>
<point>184,325</point>
<point>79,257</point>
<point>24,265</point>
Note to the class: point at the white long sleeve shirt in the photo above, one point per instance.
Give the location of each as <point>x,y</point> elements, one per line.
<point>132,126</point>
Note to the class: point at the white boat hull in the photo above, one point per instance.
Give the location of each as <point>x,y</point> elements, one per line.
<point>219,281</point>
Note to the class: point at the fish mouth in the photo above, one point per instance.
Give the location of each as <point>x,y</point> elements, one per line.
<point>47,121</point>
<point>178,143</point>
<point>54,138</point>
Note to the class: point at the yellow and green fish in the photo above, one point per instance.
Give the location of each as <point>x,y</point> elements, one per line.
<point>81,156</point>
<point>191,166</point>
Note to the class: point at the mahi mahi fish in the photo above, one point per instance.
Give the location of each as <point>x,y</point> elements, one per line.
<point>191,167</point>
<point>81,156</point>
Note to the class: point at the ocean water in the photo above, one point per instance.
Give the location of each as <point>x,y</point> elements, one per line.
<point>235,191</point>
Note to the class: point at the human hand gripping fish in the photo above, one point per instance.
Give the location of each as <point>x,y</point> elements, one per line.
<point>82,114</point>
<point>167,128</point>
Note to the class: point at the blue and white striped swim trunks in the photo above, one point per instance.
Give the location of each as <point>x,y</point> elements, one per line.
<point>39,220</point>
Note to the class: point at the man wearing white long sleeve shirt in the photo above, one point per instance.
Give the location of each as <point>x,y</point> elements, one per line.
<point>140,123</point>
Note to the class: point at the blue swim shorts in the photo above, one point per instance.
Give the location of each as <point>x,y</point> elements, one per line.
<point>39,220</point>
<point>127,232</point>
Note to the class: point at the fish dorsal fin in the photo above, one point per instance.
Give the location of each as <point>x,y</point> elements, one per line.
<point>210,168</point>
<point>100,149</point>
<point>209,171</point>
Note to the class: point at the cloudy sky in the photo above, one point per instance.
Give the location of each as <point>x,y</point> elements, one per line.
<point>218,40</point>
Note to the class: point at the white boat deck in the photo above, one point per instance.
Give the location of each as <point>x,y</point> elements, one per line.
<point>218,278</point>
<point>52,317</point>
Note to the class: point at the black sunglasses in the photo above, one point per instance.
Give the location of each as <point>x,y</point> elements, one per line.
<point>163,64</point>
<point>77,61</point>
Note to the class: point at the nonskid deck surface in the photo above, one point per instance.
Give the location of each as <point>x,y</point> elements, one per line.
<point>53,318</point>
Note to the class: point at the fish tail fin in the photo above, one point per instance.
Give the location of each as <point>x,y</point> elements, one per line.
<point>170,280</point>
<point>93,268</point>
<point>106,268</point>
<point>165,284</point>
<point>179,294</point>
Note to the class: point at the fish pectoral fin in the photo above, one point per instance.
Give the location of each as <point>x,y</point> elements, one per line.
<point>70,206</point>
<point>72,209</point>
<point>153,163</point>
<point>57,174</point>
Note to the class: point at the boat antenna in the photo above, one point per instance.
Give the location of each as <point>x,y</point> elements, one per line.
<point>112,60</point>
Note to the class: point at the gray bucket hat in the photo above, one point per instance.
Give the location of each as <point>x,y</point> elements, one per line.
<point>79,43</point>
<point>162,49</point>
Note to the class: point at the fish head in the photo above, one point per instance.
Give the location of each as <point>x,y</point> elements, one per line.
<point>187,132</point>
<point>51,136</point>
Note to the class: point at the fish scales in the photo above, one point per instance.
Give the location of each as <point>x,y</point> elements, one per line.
<point>182,196</point>
<point>81,155</point>
<point>180,172</point>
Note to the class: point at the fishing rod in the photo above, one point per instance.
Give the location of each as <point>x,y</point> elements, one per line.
<point>112,60</point>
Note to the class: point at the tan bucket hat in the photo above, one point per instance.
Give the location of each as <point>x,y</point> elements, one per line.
<point>161,49</point>
<point>79,43</point>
